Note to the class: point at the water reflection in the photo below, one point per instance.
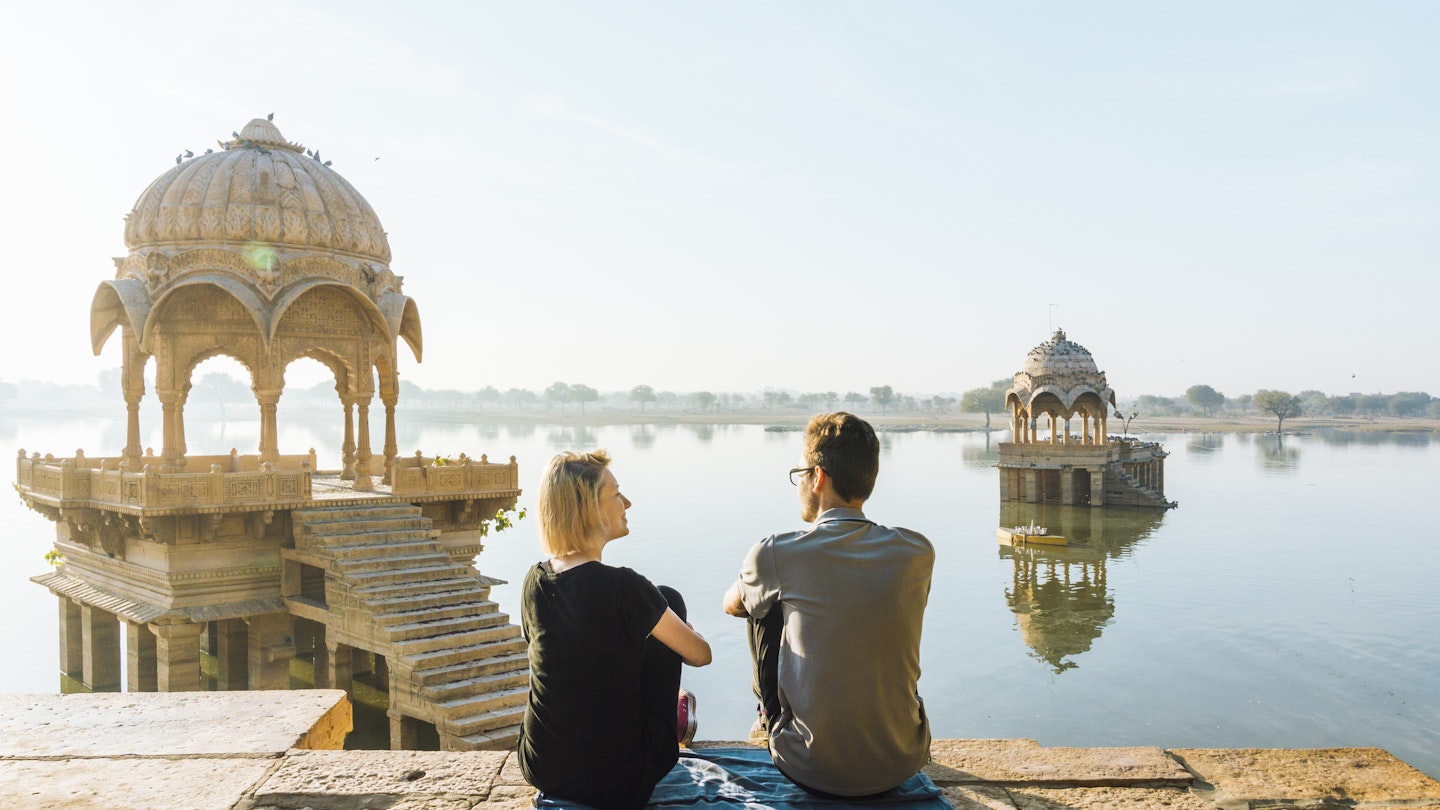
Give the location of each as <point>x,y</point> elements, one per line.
<point>1276,456</point>
<point>1204,446</point>
<point>1344,438</point>
<point>572,437</point>
<point>1059,594</point>
<point>703,432</point>
<point>979,457</point>
<point>642,437</point>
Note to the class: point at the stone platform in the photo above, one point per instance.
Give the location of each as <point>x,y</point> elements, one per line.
<point>263,750</point>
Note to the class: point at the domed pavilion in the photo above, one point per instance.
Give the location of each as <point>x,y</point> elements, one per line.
<point>261,252</point>
<point>1061,384</point>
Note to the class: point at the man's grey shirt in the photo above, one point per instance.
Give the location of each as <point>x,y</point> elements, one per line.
<point>852,594</point>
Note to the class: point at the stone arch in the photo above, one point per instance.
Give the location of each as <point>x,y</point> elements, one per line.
<point>289,309</point>
<point>118,303</point>
<point>171,309</point>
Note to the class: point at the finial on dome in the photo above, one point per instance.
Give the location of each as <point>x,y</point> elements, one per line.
<point>262,132</point>
<point>1058,336</point>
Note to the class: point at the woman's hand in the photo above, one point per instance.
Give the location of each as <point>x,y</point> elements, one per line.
<point>679,636</point>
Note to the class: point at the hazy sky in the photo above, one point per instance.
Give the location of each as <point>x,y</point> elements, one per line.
<point>809,195</point>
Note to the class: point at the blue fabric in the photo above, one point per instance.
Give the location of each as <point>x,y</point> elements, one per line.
<point>746,777</point>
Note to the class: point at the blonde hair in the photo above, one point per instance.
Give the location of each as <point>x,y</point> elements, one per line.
<point>569,501</point>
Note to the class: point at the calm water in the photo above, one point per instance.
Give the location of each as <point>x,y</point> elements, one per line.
<point>1288,602</point>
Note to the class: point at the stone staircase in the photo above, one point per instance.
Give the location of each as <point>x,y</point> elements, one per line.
<point>455,660</point>
<point>1121,488</point>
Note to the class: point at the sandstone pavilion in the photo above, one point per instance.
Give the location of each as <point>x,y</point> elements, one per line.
<point>362,564</point>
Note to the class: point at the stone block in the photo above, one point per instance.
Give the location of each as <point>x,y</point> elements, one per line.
<point>958,762</point>
<point>372,778</point>
<point>166,724</point>
<point>977,797</point>
<point>110,783</point>
<point>1253,777</point>
<point>1106,798</point>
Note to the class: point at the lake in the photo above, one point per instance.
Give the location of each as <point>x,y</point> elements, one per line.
<point>1289,601</point>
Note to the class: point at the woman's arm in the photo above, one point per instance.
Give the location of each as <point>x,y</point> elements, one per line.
<point>680,637</point>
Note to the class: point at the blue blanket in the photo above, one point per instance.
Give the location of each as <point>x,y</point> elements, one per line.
<point>746,777</point>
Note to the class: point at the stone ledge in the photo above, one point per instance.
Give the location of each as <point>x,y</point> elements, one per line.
<point>1243,778</point>
<point>380,778</point>
<point>1026,762</point>
<point>114,783</point>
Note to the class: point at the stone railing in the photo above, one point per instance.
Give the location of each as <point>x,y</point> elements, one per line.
<point>230,480</point>
<point>422,475</point>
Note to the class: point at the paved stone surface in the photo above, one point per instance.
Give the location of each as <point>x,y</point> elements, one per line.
<point>958,762</point>
<point>191,783</point>
<point>1104,798</point>
<point>978,797</point>
<point>1252,777</point>
<point>167,724</point>
<point>352,776</point>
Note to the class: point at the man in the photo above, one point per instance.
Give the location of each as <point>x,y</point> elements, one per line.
<point>835,614</point>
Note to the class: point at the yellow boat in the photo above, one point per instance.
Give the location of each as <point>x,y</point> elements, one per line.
<point>1031,535</point>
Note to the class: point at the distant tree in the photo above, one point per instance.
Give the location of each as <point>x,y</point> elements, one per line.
<point>943,404</point>
<point>8,391</point>
<point>1313,402</point>
<point>1280,404</point>
<point>1409,403</point>
<point>853,400</point>
<point>642,394</point>
<point>583,394</point>
<point>223,390</point>
<point>1341,406</point>
<point>519,397</point>
<point>830,398</point>
<point>1373,404</point>
<point>986,400</point>
<point>489,394</point>
<point>704,399</point>
<point>882,395</point>
<point>1207,399</point>
<point>558,392</point>
<point>1432,410</point>
<point>1244,401</point>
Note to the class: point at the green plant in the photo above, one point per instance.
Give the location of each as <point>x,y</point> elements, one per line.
<point>55,558</point>
<point>502,520</point>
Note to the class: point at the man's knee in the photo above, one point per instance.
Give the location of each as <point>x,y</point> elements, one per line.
<point>674,600</point>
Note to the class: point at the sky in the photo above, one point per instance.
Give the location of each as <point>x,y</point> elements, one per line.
<point>734,196</point>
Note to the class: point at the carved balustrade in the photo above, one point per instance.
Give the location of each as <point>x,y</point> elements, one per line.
<point>422,475</point>
<point>228,480</point>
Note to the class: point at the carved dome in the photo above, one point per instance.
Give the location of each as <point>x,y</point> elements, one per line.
<point>258,188</point>
<point>1060,356</point>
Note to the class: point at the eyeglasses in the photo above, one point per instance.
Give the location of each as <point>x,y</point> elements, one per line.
<point>801,471</point>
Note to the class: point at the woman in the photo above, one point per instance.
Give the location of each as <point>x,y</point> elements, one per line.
<point>605,650</point>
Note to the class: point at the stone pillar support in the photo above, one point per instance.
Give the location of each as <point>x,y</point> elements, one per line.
<point>269,400</point>
<point>270,649</point>
<point>1032,486</point>
<point>177,657</point>
<point>172,448</point>
<point>347,448</point>
<point>340,664</point>
<point>363,454</point>
<point>404,732</point>
<point>140,662</point>
<point>392,449</point>
<point>1097,487</point>
<point>100,650</point>
<point>72,637</point>
<point>232,655</point>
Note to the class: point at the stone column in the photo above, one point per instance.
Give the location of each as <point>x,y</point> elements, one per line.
<point>1085,426</point>
<point>177,657</point>
<point>270,650</point>
<point>269,433</point>
<point>1032,486</point>
<point>1097,487</point>
<point>172,448</point>
<point>363,454</point>
<point>140,663</point>
<point>100,649</point>
<point>232,655</point>
<point>404,732</point>
<point>340,663</point>
<point>72,656</point>
<point>347,448</point>
<point>1067,487</point>
<point>132,383</point>
<point>1031,428</point>
<point>392,449</point>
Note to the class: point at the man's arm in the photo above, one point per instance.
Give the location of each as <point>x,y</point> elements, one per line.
<point>733,604</point>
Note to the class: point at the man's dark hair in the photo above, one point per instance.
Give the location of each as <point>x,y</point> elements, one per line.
<point>846,447</point>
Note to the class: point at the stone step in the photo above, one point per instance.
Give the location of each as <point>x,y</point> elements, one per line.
<point>365,580</point>
<point>441,642</point>
<point>342,514</point>
<point>496,739</point>
<point>334,528</point>
<point>438,676</point>
<point>363,551</point>
<point>474,705</point>
<point>394,618</point>
<point>415,595</point>
<point>434,626</point>
<point>469,687</point>
<point>470,653</point>
<point>405,607</point>
<point>351,568</point>
<point>505,714</point>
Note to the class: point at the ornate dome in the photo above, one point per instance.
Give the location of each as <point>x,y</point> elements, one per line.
<point>1060,356</point>
<point>259,188</point>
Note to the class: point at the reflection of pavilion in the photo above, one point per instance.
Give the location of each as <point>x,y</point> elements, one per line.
<point>266,255</point>
<point>1061,382</point>
<point>1059,594</point>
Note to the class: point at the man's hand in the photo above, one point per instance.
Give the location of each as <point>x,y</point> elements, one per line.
<point>733,604</point>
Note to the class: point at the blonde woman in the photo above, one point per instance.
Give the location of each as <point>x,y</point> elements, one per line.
<point>606,647</point>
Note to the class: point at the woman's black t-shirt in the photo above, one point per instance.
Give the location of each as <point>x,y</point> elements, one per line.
<point>585,736</point>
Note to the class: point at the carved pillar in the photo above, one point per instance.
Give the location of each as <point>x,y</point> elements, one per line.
<point>347,449</point>
<point>1067,487</point>
<point>140,663</point>
<point>100,650</point>
<point>270,650</point>
<point>71,639</point>
<point>172,449</point>
<point>1102,430</point>
<point>363,454</point>
<point>404,732</point>
<point>232,655</point>
<point>1097,487</point>
<point>1085,426</point>
<point>391,448</point>
<point>269,433</point>
<point>1032,486</point>
<point>177,657</point>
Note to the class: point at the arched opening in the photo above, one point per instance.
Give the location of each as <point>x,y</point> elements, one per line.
<point>220,409</point>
